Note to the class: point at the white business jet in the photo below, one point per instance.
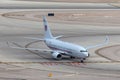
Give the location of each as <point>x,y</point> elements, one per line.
<point>59,48</point>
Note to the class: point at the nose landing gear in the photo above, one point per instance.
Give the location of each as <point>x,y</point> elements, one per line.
<point>82,60</point>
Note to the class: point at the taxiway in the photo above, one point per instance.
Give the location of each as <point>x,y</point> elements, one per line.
<point>24,64</point>
<point>80,23</point>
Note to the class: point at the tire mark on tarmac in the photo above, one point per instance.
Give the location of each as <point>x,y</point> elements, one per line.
<point>58,62</point>
<point>67,63</point>
<point>97,52</point>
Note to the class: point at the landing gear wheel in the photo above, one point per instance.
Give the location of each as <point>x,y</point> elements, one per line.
<point>82,61</point>
<point>84,58</point>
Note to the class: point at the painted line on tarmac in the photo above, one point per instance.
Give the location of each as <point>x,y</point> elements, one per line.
<point>57,63</point>
<point>106,57</point>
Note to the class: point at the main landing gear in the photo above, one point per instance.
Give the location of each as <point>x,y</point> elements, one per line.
<point>71,57</point>
<point>82,61</point>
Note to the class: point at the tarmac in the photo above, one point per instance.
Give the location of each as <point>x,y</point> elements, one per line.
<point>82,27</point>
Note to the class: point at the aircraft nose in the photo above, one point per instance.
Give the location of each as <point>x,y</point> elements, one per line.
<point>86,54</point>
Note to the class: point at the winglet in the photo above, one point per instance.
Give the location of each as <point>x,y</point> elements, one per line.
<point>12,46</point>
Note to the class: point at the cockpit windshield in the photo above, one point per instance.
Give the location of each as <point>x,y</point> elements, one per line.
<point>83,50</point>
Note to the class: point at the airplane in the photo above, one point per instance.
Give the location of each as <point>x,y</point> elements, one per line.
<point>58,48</point>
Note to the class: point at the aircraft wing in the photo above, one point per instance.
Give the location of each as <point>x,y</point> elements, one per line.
<point>101,44</point>
<point>46,50</point>
<point>57,37</point>
<point>34,38</point>
<point>33,49</point>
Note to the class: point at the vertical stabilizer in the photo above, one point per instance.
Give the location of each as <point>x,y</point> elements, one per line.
<point>47,29</point>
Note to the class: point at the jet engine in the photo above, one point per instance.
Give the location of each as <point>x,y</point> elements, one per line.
<point>57,55</point>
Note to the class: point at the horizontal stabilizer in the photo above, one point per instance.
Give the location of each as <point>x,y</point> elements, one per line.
<point>57,37</point>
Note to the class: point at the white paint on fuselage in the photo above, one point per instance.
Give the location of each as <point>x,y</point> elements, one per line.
<point>69,48</point>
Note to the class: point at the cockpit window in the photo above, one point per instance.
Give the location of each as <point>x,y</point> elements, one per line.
<point>83,50</point>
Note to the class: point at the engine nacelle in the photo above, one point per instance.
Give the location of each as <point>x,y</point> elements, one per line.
<point>57,55</point>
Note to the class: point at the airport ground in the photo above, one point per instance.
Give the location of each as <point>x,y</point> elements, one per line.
<point>78,1</point>
<point>59,4</point>
<point>83,27</point>
<point>84,24</point>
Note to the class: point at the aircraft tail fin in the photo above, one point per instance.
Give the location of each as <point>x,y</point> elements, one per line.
<point>48,34</point>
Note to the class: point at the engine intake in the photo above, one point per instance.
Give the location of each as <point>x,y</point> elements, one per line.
<point>57,55</point>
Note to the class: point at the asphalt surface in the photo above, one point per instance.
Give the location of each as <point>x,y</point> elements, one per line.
<point>80,23</point>
<point>35,65</point>
<point>53,5</point>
